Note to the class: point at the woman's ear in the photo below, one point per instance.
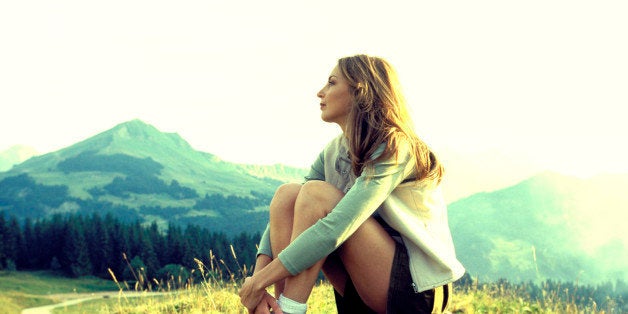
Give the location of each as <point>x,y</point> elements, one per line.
<point>359,90</point>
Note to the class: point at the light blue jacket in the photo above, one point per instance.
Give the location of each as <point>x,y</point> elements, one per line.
<point>415,209</point>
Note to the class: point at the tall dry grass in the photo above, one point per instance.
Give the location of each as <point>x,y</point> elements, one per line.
<point>211,288</point>
<point>506,298</point>
<point>214,288</point>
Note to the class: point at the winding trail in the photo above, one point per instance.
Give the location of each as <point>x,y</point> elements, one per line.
<point>76,298</point>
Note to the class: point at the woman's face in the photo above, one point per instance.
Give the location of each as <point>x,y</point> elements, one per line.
<point>336,99</point>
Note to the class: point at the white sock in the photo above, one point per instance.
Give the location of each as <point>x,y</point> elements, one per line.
<point>288,305</point>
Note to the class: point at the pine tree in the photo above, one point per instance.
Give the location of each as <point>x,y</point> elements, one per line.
<point>28,249</point>
<point>100,246</point>
<point>41,257</point>
<point>192,237</point>
<point>120,243</point>
<point>3,253</point>
<point>53,237</point>
<point>12,242</point>
<point>75,261</point>
<point>148,255</point>
<point>158,241</point>
<point>174,245</point>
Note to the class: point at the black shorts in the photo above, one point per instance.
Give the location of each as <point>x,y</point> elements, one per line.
<point>401,295</point>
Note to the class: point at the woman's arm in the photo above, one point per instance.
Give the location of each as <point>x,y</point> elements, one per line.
<point>261,262</point>
<point>253,289</point>
<point>317,170</point>
<point>264,247</point>
<point>268,271</point>
<point>360,202</point>
<point>267,301</point>
<point>328,233</point>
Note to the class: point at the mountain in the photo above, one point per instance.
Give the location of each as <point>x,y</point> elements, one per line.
<point>539,227</point>
<point>484,171</point>
<point>138,172</point>
<point>15,155</point>
<point>548,226</point>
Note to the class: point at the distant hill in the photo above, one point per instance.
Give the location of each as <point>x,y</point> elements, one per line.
<point>549,226</point>
<point>470,173</point>
<point>15,155</point>
<point>544,226</point>
<point>141,173</point>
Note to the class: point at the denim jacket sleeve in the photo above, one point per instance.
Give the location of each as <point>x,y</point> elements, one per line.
<point>317,171</point>
<point>360,202</point>
<point>264,243</point>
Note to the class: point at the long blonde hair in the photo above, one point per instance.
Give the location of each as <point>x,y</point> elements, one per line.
<point>379,115</point>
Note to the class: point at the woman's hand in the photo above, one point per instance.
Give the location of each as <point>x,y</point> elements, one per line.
<point>268,302</point>
<point>254,298</point>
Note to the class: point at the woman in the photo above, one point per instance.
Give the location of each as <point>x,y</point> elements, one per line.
<point>370,214</point>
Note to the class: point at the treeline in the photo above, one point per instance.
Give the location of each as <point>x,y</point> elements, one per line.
<point>78,245</point>
<point>607,295</point>
<point>122,163</point>
<point>225,204</point>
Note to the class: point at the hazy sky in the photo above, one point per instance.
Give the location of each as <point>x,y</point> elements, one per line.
<point>544,79</point>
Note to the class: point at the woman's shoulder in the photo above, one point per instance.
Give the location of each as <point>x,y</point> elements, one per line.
<point>402,149</point>
<point>336,143</point>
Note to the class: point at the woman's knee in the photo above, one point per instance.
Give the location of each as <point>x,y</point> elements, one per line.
<point>321,190</point>
<point>318,195</point>
<point>287,190</point>
<point>285,196</point>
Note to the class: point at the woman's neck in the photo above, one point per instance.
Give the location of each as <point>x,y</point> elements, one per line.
<point>343,127</point>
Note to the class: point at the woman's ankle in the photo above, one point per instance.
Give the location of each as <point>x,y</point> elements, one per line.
<point>290,306</point>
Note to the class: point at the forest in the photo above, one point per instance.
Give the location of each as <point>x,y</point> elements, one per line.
<point>77,245</point>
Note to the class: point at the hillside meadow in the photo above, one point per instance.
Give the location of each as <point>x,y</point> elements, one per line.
<point>20,290</point>
<point>136,189</point>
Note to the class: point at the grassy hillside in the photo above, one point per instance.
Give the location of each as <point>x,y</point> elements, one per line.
<point>138,172</point>
<point>549,226</point>
<point>200,171</point>
<point>209,296</point>
<point>19,290</point>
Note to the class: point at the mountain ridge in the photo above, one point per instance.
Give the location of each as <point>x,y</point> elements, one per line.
<point>14,155</point>
<point>178,183</point>
<point>543,227</point>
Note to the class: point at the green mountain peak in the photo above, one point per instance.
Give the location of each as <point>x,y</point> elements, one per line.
<point>138,137</point>
<point>139,171</point>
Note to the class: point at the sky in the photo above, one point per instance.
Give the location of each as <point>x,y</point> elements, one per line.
<point>542,80</point>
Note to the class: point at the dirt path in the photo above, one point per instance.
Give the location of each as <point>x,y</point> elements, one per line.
<point>76,298</point>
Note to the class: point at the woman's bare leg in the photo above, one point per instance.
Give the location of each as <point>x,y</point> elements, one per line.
<point>281,221</point>
<point>367,255</point>
<point>366,259</point>
<point>335,273</point>
<point>316,199</point>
